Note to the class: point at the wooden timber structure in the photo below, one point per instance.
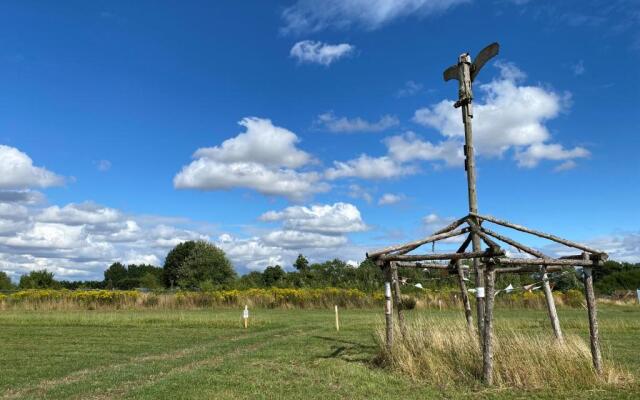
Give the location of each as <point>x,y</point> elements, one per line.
<point>487,255</point>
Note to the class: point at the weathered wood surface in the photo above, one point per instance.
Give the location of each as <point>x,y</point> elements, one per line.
<point>475,228</point>
<point>464,295</point>
<point>407,247</point>
<point>529,268</point>
<point>422,265</point>
<point>388,306</point>
<point>545,262</point>
<point>470,167</point>
<point>442,256</point>
<point>397,298</point>
<point>513,243</point>
<point>551,304</point>
<point>487,348</point>
<point>536,233</point>
<point>594,337</point>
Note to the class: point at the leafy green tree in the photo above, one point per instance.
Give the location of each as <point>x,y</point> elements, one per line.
<point>301,264</point>
<point>115,275</point>
<point>273,275</point>
<point>150,281</point>
<point>369,276</point>
<point>566,281</point>
<point>42,279</point>
<point>5,282</point>
<point>251,280</point>
<point>174,261</point>
<point>206,262</point>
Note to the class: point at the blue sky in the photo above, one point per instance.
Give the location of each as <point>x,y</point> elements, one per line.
<point>340,136</point>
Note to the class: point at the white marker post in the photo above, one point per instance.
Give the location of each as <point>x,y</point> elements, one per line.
<point>245,316</point>
<point>337,320</point>
<point>638,293</point>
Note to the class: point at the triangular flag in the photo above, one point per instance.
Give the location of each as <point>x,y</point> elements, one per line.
<point>418,285</point>
<point>509,288</point>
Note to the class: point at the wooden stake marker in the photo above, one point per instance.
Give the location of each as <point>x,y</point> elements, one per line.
<point>245,316</point>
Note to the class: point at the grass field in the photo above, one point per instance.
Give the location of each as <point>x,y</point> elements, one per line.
<point>284,354</point>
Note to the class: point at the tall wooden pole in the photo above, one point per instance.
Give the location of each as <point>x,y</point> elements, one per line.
<point>593,318</point>
<point>465,296</point>
<point>397,297</point>
<point>487,348</point>
<point>388,306</point>
<point>465,97</point>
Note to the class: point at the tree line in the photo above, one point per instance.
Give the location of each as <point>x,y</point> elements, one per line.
<point>200,265</point>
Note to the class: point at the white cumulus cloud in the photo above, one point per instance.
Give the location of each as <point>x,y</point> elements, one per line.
<point>262,158</point>
<point>367,167</point>
<point>508,116</point>
<point>390,198</point>
<point>332,123</point>
<point>18,172</point>
<point>337,218</point>
<point>308,51</point>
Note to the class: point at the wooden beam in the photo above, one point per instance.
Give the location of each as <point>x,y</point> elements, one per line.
<point>465,296</point>
<point>513,243</point>
<point>536,233</point>
<point>445,256</point>
<point>397,298</point>
<point>548,294</point>
<point>407,247</point>
<point>487,354</point>
<point>551,305</point>
<point>418,264</point>
<point>529,268</point>
<point>544,261</point>
<point>475,228</point>
<point>592,257</point>
<point>388,306</point>
<point>592,311</point>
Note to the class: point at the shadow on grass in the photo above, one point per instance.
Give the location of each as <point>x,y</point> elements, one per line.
<point>349,351</point>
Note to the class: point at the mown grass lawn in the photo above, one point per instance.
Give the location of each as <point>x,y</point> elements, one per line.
<point>284,354</point>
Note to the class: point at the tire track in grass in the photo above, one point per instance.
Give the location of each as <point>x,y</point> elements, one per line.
<point>44,386</point>
<point>123,390</point>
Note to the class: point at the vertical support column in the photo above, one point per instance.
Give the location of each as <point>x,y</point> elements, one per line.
<point>487,348</point>
<point>465,296</point>
<point>593,318</point>
<point>465,98</point>
<point>397,297</point>
<point>551,305</point>
<point>388,306</point>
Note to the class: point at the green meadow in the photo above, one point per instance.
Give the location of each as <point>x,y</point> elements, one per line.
<point>295,354</point>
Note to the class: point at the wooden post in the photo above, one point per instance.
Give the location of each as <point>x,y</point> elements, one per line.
<point>397,297</point>
<point>388,306</point>
<point>464,99</point>
<point>245,316</point>
<point>337,319</point>
<point>551,305</point>
<point>593,319</point>
<point>487,348</point>
<point>465,296</point>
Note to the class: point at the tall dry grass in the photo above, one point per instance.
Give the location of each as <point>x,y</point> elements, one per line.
<point>445,352</point>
